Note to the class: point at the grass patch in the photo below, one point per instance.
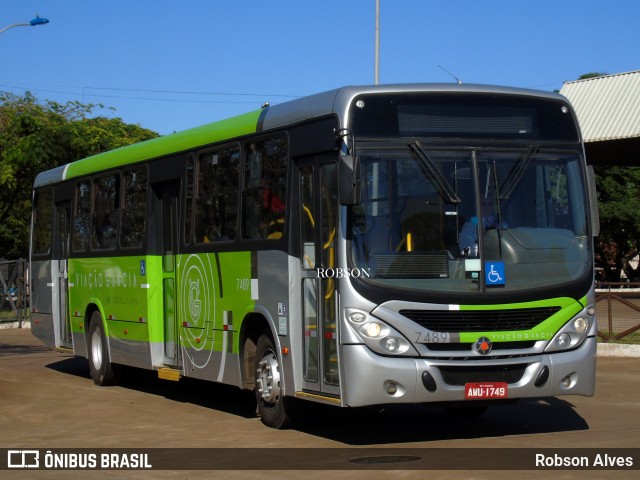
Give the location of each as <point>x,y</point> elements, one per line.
<point>8,316</point>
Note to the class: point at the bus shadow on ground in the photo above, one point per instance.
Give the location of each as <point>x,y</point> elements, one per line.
<point>7,349</point>
<point>359,426</point>
<point>423,423</point>
<point>224,398</point>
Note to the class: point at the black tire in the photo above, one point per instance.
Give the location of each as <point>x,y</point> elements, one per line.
<point>100,367</point>
<point>271,401</point>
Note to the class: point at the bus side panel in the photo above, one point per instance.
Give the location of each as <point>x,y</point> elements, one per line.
<point>128,343</point>
<point>42,325</point>
<point>217,293</point>
<point>126,295</point>
<point>214,297</point>
<point>273,296</point>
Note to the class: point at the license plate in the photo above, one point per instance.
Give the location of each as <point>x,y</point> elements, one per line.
<point>483,391</point>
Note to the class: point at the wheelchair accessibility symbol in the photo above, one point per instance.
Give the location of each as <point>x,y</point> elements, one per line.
<point>494,273</point>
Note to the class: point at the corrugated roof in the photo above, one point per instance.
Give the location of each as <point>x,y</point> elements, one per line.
<point>608,107</point>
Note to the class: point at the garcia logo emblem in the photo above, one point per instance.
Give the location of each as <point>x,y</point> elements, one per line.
<point>483,346</point>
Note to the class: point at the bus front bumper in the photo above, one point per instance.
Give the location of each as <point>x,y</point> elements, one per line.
<point>370,379</point>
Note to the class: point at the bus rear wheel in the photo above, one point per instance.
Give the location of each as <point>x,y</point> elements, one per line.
<point>100,367</point>
<point>269,395</point>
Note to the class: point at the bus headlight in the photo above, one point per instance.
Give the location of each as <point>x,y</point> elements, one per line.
<point>378,335</point>
<point>357,317</point>
<point>580,325</point>
<point>372,329</point>
<point>391,344</point>
<point>563,340</point>
<point>572,334</point>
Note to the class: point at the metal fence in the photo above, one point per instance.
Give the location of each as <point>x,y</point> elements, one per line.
<point>618,311</point>
<point>14,292</point>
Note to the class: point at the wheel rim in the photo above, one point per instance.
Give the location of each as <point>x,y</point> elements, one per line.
<point>96,349</point>
<point>268,378</point>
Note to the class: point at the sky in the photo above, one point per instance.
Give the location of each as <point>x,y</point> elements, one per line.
<point>169,65</point>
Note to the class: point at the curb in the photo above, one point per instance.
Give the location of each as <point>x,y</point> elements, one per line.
<point>618,350</point>
<point>8,325</point>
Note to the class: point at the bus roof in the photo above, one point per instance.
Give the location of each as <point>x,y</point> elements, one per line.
<point>333,102</point>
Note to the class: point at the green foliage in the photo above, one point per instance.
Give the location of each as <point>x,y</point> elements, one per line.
<point>619,204</point>
<point>37,136</point>
<point>592,75</point>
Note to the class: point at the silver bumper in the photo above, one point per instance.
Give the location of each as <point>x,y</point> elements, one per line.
<point>367,376</point>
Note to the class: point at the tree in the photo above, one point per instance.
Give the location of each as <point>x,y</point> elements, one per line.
<point>619,203</point>
<point>592,75</point>
<point>37,136</point>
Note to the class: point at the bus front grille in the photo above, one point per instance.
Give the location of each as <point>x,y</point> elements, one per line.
<point>464,347</point>
<point>480,320</point>
<point>459,376</point>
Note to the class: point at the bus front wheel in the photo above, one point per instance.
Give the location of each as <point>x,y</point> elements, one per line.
<point>271,401</point>
<point>100,367</point>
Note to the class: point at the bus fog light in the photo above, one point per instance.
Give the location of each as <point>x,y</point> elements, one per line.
<point>394,389</point>
<point>372,330</point>
<point>569,381</point>
<point>563,340</point>
<point>392,344</point>
<point>357,317</point>
<point>580,324</point>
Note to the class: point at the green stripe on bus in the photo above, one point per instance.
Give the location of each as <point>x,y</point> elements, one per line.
<point>174,143</point>
<point>543,331</point>
<point>130,297</point>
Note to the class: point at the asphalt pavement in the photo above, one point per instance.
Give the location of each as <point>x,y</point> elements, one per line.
<point>49,402</point>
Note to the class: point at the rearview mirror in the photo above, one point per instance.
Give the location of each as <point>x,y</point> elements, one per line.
<point>349,180</point>
<point>593,201</point>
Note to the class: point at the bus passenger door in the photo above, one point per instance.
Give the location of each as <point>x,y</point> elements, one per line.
<point>318,225</point>
<point>167,195</point>
<point>62,241</point>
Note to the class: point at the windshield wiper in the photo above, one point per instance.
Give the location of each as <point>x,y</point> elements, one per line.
<point>517,172</point>
<point>432,170</point>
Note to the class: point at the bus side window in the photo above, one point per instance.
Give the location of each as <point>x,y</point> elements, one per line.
<point>308,217</point>
<point>106,212</point>
<point>265,189</point>
<point>134,209</point>
<point>82,216</point>
<point>188,217</point>
<point>216,210</point>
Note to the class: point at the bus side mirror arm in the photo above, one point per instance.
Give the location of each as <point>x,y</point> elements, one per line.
<point>349,180</point>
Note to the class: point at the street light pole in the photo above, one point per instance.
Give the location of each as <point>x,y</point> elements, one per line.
<point>376,69</point>
<point>36,21</point>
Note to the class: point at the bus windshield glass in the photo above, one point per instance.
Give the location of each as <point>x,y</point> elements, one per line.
<point>462,219</point>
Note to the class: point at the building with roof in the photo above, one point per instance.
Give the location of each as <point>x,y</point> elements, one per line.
<point>608,110</point>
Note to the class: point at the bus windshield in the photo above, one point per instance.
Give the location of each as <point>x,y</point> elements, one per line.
<point>470,219</point>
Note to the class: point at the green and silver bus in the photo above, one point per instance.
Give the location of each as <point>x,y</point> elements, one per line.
<point>363,246</point>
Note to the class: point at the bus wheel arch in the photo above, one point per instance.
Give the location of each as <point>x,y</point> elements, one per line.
<point>269,376</point>
<point>262,371</point>
<point>102,371</point>
<point>253,326</point>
